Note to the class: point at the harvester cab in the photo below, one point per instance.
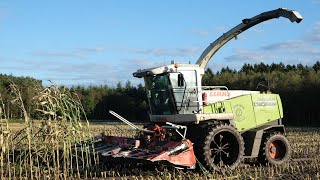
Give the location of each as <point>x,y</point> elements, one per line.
<point>217,125</point>
<point>172,89</point>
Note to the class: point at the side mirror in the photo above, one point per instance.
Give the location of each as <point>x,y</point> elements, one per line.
<point>180,80</point>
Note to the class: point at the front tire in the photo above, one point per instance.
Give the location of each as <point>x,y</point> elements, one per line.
<point>275,150</point>
<point>223,148</point>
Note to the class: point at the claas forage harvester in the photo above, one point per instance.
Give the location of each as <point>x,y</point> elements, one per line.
<point>212,124</point>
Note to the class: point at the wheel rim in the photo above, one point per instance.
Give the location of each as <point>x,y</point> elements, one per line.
<point>277,150</point>
<point>224,149</point>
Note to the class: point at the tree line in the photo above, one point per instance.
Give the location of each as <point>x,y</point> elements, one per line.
<point>28,88</point>
<point>127,100</point>
<point>298,86</point>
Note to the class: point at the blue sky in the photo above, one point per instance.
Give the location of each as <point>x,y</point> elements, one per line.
<point>103,42</point>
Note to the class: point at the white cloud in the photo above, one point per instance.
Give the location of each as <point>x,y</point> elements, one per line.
<point>200,32</point>
<point>237,60</point>
<point>134,64</point>
<point>62,70</point>
<point>220,29</point>
<point>253,56</point>
<point>315,2</point>
<point>307,45</point>
<point>205,33</point>
<point>256,30</point>
<point>313,36</point>
<point>94,49</point>
<point>72,54</point>
<point>88,73</point>
<point>3,12</point>
<point>303,50</point>
<point>288,52</point>
<point>287,45</point>
<point>80,53</point>
<point>65,72</point>
<point>293,47</point>
<point>162,51</point>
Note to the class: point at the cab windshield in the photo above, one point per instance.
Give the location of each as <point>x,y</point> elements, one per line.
<point>159,95</point>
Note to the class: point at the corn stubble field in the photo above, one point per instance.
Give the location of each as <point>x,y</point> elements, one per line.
<point>50,149</point>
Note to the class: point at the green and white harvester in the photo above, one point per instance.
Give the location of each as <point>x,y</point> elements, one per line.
<point>212,124</point>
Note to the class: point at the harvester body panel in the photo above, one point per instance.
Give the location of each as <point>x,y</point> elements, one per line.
<point>249,111</point>
<point>267,107</point>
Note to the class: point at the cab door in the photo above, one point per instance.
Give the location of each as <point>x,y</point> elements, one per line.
<point>184,90</point>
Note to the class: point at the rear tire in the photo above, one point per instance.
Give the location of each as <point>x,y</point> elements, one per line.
<point>223,148</point>
<point>275,150</point>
